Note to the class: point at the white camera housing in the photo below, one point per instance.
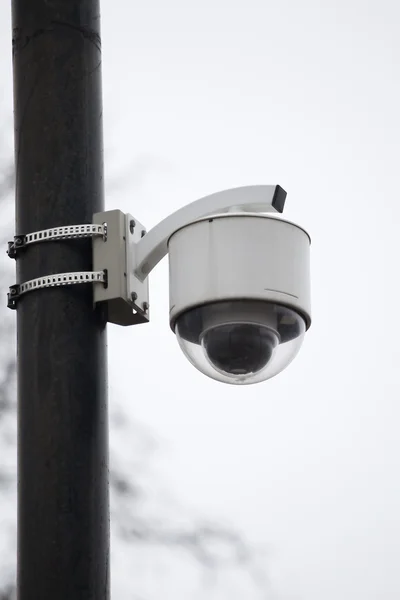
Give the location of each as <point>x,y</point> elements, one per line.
<point>239,294</point>
<point>239,280</point>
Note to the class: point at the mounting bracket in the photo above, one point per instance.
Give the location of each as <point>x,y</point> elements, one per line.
<point>127,297</point>
<point>124,255</point>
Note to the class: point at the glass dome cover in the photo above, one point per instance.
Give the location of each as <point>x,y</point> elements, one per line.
<point>240,342</point>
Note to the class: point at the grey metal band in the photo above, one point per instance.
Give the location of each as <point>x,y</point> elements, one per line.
<point>68,232</point>
<point>56,280</point>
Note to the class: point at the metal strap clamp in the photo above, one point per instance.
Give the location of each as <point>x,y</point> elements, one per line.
<point>56,280</point>
<point>68,232</point>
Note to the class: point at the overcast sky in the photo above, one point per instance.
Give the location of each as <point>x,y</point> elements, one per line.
<point>200,97</point>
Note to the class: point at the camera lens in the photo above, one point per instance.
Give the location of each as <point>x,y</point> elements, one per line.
<point>239,349</point>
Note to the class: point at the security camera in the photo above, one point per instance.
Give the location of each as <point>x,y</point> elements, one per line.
<point>239,301</point>
<point>239,280</point>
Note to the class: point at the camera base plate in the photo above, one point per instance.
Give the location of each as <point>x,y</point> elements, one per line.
<point>126,296</point>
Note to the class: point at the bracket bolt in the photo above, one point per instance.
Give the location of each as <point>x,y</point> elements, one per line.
<point>145,306</point>
<point>132,224</point>
<point>143,233</point>
<point>134,296</point>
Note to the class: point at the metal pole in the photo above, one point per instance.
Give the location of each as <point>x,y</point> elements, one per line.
<point>63,508</point>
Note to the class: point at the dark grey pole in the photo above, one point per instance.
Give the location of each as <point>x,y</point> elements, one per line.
<point>63,508</point>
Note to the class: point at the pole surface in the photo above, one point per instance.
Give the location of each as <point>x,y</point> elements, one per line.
<point>63,507</point>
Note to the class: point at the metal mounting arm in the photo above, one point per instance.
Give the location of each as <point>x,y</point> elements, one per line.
<point>154,245</point>
<point>127,254</point>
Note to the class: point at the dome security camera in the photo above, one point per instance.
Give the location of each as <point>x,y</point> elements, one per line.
<point>239,294</point>
<point>239,280</point>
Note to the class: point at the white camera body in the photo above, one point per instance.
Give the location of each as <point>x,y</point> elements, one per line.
<point>239,256</point>
<point>249,270</point>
